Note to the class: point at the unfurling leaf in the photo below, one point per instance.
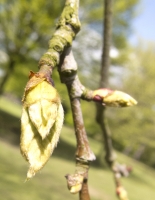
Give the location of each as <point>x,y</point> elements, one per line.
<point>113,98</point>
<point>41,123</point>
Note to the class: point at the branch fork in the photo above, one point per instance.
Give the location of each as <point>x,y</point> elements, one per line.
<point>40,144</point>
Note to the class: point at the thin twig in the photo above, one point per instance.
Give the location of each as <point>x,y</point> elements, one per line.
<point>100,115</point>
<point>68,74</point>
<point>66,30</point>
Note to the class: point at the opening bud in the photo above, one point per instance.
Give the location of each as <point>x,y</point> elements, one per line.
<point>122,193</point>
<point>113,98</point>
<point>41,123</point>
<point>74,182</point>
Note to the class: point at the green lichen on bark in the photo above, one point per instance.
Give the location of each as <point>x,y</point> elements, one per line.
<point>70,16</point>
<point>66,30</point>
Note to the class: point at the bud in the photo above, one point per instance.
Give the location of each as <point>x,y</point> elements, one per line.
<point>113,98</point>
<point>74,182</point>
<point>122,194</point>
<point>75,189</point>
<point>41,123</point>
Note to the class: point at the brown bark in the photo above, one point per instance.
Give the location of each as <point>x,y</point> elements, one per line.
<point>68,74</point>
<point>84,193</point>
<point>107,24</point>
<point>100,115</point>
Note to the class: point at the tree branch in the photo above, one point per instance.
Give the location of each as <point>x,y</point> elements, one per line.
<point>68,74</point>
<point>100,115</point>
<point>77,182</point>
<point>60,55</point>
<point>66,30</point>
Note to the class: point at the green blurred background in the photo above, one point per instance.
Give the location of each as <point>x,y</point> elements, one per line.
<point>25,29</point>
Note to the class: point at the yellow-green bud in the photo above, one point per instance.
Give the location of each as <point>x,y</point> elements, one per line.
<point>122,193</point>
<point>41,123</point>
<point>113,98</point>
<point>119,99</point>
<point>76,188</point>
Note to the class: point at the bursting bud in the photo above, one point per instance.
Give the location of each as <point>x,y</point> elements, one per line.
<point>74,182</point>
<point>113,98</point>
<point>41,122</point>
<point>121,193</point>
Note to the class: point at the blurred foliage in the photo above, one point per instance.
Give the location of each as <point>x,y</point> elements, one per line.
<point>123,13</point>
<point>25,31</point>
<point>27,26</point>
<point>88,43</point>
<point>133,128</point>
